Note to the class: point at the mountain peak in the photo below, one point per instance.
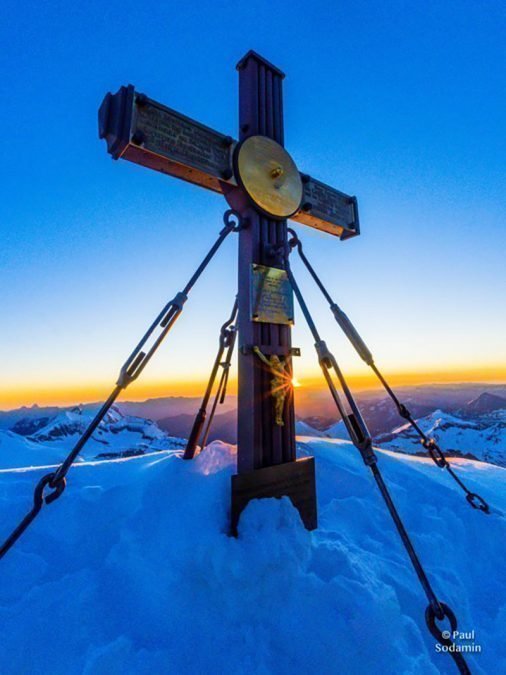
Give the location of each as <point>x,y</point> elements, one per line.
<point>485,403</point>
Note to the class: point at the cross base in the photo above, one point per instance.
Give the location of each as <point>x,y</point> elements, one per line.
<point>295,480</point>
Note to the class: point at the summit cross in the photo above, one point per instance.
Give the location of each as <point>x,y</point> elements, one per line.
<point>260,181</point>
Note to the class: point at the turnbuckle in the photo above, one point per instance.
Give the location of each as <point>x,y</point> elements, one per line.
<point>404,412</point>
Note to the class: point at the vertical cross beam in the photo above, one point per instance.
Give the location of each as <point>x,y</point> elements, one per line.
<point>261,442</point>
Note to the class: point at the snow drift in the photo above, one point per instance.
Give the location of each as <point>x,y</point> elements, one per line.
<point>132,571</point>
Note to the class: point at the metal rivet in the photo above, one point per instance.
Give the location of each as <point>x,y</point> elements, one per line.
<point>138,138</point>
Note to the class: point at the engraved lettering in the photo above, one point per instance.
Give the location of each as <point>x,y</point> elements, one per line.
<point>328,203</point>
<point>182,140</point>
<point>271,295</point>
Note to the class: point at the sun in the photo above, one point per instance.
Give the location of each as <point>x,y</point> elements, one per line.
<point>295,382</point>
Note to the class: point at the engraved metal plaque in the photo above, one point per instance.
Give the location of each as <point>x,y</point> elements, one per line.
<point>271,295</point>
<point>328,209</point>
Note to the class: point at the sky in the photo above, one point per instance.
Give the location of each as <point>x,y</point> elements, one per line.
<point>399,103</point>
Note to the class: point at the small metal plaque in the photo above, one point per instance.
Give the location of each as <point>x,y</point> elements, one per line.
<point>271,295</point>
<point>328,209</point>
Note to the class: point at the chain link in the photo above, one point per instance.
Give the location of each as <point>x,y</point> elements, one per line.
<point>442,636</point>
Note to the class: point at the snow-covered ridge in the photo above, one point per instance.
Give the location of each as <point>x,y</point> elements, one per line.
<point>482,437</point>
<point>36,441</point>
<point>131,571</point>
<point>476,430</point>
<point>302,428</point>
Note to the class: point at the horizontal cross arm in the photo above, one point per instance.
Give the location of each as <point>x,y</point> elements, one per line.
<point>328,209</point>
<point>143,131</point>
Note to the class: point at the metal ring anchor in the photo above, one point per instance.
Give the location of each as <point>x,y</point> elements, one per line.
<point>229,223</point>
<point>482,505</point>
<point>58,487</point>
<point>444,637</point>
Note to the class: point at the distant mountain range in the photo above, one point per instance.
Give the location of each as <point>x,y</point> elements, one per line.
<point>485,403</point>
<point>462,425</point>
<point>36,441</point>
<point>477,430</point>
<point>224,426</point>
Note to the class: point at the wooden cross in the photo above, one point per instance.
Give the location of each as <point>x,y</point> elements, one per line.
<point>143,131</point>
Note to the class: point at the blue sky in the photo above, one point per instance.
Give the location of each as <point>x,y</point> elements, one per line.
<point>400,103</point>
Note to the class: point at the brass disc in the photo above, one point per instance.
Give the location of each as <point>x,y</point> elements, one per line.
<point>269,176</point>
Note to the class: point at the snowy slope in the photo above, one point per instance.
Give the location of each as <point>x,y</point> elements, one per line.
<point>482,436</point>
<point>18,451</point>
<point>302,428</point>
<point>131,571</point>
<point>37,444</point>
<point>337,430</point>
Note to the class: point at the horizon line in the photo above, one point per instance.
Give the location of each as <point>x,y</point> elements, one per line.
<point>65,397</point>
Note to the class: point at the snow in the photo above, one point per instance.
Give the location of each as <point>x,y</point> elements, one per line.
<point>117,435</point>
<point>20,451</point>
<point>482,436</point>
<point>302,428</point>
<point>131,571</point>
<point>337,430</point>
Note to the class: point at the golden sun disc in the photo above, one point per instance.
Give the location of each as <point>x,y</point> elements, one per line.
<point>269,176</point>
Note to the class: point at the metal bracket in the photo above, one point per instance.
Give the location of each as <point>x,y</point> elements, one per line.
<point>271,349</point>
<point>275,253</point>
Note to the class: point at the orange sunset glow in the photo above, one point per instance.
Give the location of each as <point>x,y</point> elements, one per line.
<point>65,394</point>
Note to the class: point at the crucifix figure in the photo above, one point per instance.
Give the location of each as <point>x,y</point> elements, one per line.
<point>281,382</point>
<point>261,182</point>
